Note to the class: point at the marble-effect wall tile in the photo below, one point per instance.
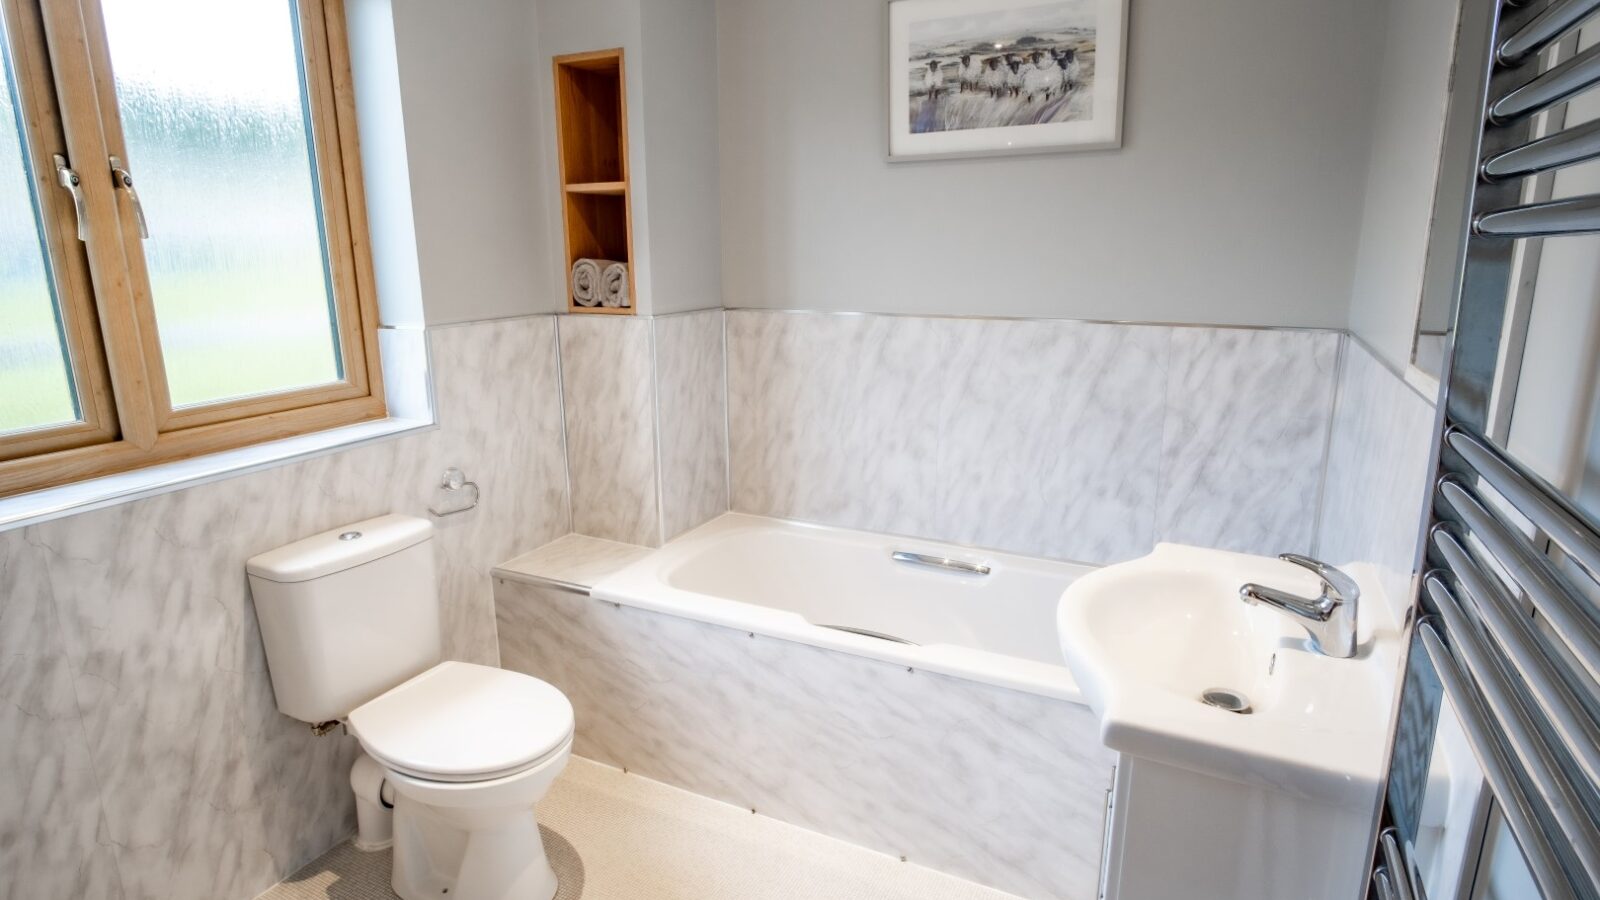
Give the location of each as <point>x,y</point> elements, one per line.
<point>1376,495</point>
<point>1050,437</point>
<point>607,383</point>
<point>53,841</point>
<point>155,682</point>
<point>1000,787</point>
<point>691,399</point>
<point>1244,438</point>
<point>1070,440</point>
<point>833,418</point>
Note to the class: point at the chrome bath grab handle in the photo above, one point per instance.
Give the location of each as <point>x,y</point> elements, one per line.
<point>940,562</point>
<point>864,632</point>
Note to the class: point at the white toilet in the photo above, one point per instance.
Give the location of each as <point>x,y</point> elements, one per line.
<point>350,619</point>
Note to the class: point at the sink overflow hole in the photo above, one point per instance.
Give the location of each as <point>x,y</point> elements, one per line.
<point>1226,699</point>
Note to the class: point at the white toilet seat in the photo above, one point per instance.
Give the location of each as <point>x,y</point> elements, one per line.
<point>463,723</point>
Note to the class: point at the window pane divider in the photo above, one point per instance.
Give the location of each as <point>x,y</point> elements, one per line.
<point>125,357</point>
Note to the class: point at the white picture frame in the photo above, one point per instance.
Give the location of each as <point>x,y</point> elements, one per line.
<point>960,111</point>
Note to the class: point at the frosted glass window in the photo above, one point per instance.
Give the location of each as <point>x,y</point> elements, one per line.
<point>214,115</point>
<point>36,389</point>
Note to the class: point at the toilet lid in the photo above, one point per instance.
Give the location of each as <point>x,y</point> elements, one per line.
<point>464,722</point>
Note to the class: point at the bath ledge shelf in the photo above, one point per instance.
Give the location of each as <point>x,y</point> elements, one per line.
<point>573,562</point>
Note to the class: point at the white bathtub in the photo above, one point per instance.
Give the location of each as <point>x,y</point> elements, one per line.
<point>789,580</point>
<point>706,665</point>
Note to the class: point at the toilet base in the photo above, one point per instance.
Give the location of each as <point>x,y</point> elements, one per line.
<point>435,858</point>
<point>476,840</point>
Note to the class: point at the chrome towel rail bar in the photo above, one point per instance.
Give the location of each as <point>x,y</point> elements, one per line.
<point>1551,777</point>
<point>1545,29</point>
<point>1563,82</point>
<point>1497,767</point>
<point>1528,696</point>
<point>1556,688</point>
<point>1546,509</point>
<point>1577,144</point>
<point>1554,218</point>
<point>1382,884</point>
<point>1552,596</point>
<point>1403,885</point>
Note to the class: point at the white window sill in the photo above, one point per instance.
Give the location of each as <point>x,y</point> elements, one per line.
<point>71,499</point>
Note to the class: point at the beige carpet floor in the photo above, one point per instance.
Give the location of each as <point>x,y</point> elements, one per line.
<point>612,836</point>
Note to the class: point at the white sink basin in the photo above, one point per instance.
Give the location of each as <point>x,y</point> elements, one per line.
<point>1146,638</point>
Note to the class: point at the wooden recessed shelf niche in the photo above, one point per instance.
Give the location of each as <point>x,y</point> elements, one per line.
<point>592,134</point>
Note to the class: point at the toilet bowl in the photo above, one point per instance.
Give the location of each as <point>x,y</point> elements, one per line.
<point>470,750</point>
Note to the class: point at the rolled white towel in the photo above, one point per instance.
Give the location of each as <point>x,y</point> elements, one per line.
<point>614,286</point>
<point>586,281</point>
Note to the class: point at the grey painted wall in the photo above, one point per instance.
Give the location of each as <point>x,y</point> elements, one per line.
<point>680,130</point>
<point>1409,117</point>
<point>1235,199</point>
<point>473,137</point>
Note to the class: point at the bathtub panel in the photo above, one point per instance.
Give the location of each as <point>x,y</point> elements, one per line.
<point>997,786</point>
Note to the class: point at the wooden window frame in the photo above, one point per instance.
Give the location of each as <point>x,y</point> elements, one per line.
<point>128,421</point>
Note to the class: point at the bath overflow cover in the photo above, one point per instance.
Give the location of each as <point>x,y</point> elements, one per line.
<point>350,536</point>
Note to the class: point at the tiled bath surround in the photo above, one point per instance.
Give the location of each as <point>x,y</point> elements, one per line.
<point>606,388</point>
<point>1377,480</point>
<point>646,423</point>
<point>1001,787</point>
<point>691,403</point>
<point>144,756</point>
<point>1063,439</point>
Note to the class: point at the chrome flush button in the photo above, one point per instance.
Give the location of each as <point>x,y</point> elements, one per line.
<point>350,536</point>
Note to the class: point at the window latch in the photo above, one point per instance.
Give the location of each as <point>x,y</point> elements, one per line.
<point>70,180</point>
<point>122,180</point>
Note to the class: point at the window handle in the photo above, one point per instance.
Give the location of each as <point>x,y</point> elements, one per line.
<point>70,180</point>
<point>122,179</point>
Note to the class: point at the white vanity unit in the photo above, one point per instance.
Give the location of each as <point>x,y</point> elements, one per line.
<point>1269,790</point>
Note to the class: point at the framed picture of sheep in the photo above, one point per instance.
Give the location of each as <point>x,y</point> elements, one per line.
<point>981,77</point>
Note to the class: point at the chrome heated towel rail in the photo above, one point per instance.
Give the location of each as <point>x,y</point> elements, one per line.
<point>1508,618</point>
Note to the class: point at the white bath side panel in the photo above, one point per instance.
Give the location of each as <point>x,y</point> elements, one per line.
<point>1000,787</point>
